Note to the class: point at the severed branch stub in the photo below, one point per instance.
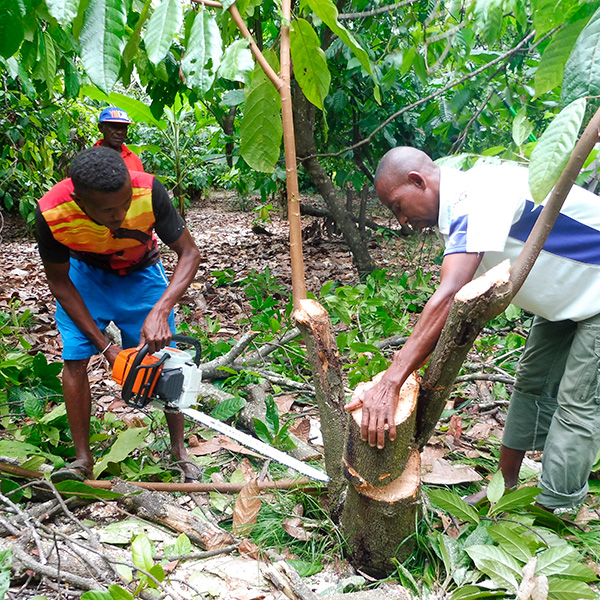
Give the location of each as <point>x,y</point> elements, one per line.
<point>382,497</point>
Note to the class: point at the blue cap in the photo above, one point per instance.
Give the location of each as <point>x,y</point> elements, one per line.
<point>112,114</point>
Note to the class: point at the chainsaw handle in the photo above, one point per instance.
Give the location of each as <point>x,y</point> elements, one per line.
<point>190,341</point>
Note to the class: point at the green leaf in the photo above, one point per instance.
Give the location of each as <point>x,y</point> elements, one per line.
<point>81,490</point>
<point>328,13</point>
<point>497,564</point>
<point>228,408</point>
<point>72,82</point>
<point>547,14</point>
<point>272,415</point>
<point>262,432</point>
<point>567,589</point>
<point>18,449</point>
<point>162,27</point>
<point>472,592</point>
<point>261,129</point>
<point>515,499</point>
<point>553,150</point>
<point>141,552</point>
<point>488,19</point>
<point>119,593</point>
<point>203,55</point>
<point>96,595</point>
<point>495,489</point>
<point>556,560</point>
<point>227,3</point>
<point>453,504</point>
<point>521,128</point>
<point>128,440</point>
<point>237,61</point>
<point>550,70</point>
<point>513,541</point>
<point>582,70</point>
<point>102,40</point>
<point>454,557</point>
<point>310,63</point>
<point>12,30</point>
<point>157,572</point>
<point>305,568</point>
<point>64,11</point>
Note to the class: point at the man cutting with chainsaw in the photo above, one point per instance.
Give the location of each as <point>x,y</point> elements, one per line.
<point>96,236</point>
<point>484,216</point>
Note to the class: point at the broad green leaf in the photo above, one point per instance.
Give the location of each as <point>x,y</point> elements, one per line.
<point>556,560</point>
<point>227,3</point>
<point>472,592</point>
<point>567,589</point>
<point>127,441</point>
<point>141,552</point>
<point>133,44</point>
<point>304,567</point>
<point>47,64</point>
<point>228,408</point>
<point>119,593</point>
<point>550,71</point>
<point>17,449</point>
<point>513,542</point>
<point>4,582</point>
<point>81,490</point>
<point>553,149</point>
<point>237,61</point>
<point>262,431</point>
<point>203,55</point>
<point>261,128</point>
<point>328,13</point>
<point>102,40</point>
<point>453,504</point>
<point>497,564</point>
<point>488,19</point>
<point>12,30</point>
<point>454,556</point>
<point>495,488</point>
<point>521,128</point>
<point>515,499</point>
<point>162,27</point>
<point>157,572</point>
<point>72,82</point>
<point>96,595</point>
<point>64,11</point>
<point>60,410</point>
<point>310,63</point>
<point>547,14</point>
<point>582,71</point>
<point>34,407</point>
<point>581,572</point>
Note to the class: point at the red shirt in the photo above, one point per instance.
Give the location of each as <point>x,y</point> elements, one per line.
<point>132,160</point>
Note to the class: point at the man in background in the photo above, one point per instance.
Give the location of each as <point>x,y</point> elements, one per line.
<point>113,124</point>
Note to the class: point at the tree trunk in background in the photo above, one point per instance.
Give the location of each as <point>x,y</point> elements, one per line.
<point>304,122</point>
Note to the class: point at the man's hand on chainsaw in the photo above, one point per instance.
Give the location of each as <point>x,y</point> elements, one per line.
<point>156,333</point>
<point>112,353</point>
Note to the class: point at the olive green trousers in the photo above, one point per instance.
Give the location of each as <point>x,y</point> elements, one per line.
<point>556,406</point>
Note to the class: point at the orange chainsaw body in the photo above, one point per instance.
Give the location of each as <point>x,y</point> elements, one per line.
<point>122,368</point>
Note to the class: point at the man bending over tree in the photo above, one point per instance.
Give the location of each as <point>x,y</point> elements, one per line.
<point>484,216</point>
<point>96,237</point>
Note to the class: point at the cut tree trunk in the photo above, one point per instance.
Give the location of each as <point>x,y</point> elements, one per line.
<point>381,502</point>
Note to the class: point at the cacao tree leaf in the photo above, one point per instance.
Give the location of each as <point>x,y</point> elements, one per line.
<point>553,149</point>
<point>488,19</point>
<point>556,560</point>
<point>228,408</point>
<point>119,593</point>
<point>227,3</point>
<point>64,11</point>
<point>203,55</point>
<point>515,499</point>
<point>127,441</point>
<point>549,72</point>
<point>495,488</point>
<point>547,14</point>
<point>511,540</point>
<point>12,30</point>
<point>567,589</point>
<point>521,128</point>
<point>48,62</point>
<point>453,504</point>
<point>582,70</point>
<point>162,27</point>
<point>496,563</point>
<point>96,595</point>
<point>237,61</point>
<point>102,40</point>
<point>261,129</point>
<point>133,44</point>
<point>247,507</point>
<point>310,63</point>
<point>71,80</point>
<point>328,13</point>
<point>141,552</point>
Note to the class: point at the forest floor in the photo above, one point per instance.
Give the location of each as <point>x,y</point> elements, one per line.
<point>226,239</point>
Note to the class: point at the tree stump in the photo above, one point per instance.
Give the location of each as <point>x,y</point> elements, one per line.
<point>381,502</point>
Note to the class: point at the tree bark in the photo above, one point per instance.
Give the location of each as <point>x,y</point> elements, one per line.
<point>304,121</point>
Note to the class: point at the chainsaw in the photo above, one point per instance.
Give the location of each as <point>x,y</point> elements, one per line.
<point>170,380</point>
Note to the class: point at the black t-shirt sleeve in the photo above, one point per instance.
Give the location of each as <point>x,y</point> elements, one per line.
<point>169,224</point>
<point>50,250</point>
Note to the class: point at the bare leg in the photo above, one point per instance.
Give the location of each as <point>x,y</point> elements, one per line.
<point>510,465</point>
<point>78,401</point>
<point>175,422</point>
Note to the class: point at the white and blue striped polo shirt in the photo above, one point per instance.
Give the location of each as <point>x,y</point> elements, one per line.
<point>489,209</point>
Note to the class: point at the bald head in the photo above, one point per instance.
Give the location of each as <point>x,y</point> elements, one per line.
<point>407,181</point>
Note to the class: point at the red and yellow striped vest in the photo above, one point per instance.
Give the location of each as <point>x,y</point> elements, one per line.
<point>121,250</point>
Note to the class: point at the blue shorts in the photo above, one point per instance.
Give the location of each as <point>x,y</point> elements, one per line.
<point>124,299</point>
